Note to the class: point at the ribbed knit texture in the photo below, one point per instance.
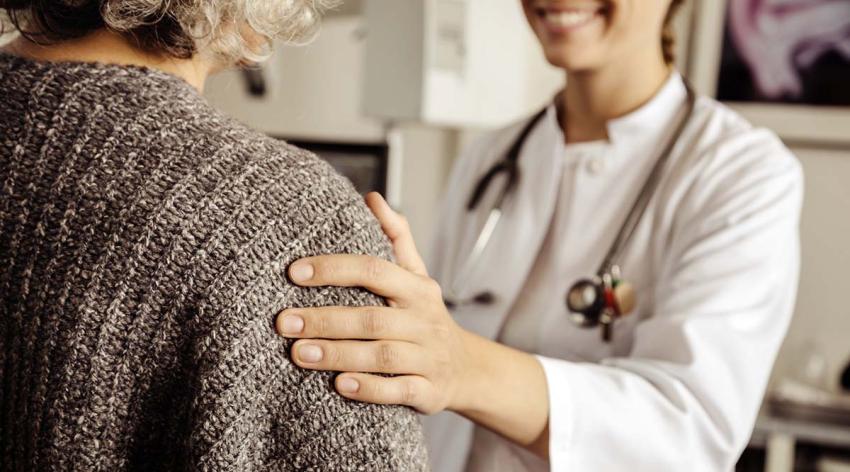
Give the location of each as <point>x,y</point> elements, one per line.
<point>145,239</point>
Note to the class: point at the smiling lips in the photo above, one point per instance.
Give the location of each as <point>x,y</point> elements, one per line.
<point>560,17</point>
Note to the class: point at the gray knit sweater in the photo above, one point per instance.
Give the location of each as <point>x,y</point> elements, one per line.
<point>145,238</point>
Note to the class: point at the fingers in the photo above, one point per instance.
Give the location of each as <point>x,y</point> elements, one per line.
<point>396,228</point>
<point>410,390</point>
<point>374,274</point>
<point>379,357</point>
<point>350,323</point>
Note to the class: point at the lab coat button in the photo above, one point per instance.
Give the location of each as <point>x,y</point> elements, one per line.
<point>596,166</point>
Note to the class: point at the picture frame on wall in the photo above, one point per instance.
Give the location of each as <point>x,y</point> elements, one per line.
<point>783,65</point>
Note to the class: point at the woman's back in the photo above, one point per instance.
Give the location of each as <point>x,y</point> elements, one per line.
<point>144,244</point>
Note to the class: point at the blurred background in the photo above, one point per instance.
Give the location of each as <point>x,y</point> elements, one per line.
<point>392,91</point>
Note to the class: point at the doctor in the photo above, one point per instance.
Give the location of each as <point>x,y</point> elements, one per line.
<point>675,379</point>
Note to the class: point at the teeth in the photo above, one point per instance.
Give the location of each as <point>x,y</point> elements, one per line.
<point>568,19</point>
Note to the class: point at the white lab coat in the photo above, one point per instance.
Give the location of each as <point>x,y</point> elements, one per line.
<point>715,262</point>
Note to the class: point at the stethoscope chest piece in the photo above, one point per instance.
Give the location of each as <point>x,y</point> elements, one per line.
<point>586,301</point>
<point>601,301</point>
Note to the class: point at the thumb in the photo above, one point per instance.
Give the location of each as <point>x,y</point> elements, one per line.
<point>397,229</point>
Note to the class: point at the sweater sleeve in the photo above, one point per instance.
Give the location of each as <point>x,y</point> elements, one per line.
<point>253,409</point>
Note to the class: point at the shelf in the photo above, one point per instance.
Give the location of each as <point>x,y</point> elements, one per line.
<point>825,434</point>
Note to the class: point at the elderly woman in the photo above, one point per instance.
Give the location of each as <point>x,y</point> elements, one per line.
<point>143,250</point>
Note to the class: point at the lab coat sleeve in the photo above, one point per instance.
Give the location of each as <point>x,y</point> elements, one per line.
<point>687,396</point>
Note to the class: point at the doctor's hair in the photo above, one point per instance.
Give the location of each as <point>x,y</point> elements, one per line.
<point>668,33</point>
<point>235,31</point>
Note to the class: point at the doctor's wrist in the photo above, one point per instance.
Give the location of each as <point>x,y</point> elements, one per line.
<point>473,374</point>
<point>504,390</point>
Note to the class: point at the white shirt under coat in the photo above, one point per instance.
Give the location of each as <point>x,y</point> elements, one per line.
<point>714,260</point>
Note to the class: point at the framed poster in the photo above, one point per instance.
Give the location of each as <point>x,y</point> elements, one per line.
<point>783,64</point>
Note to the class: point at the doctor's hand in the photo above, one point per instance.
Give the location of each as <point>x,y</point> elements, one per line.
<point>414,338</point>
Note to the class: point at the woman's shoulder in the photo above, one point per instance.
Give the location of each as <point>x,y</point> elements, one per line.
<point>722,152</point>
<point>727,161</point>
<point>251,162</point>
<point>228,194</point>
<point>724,136</point>
<point>222,155</point>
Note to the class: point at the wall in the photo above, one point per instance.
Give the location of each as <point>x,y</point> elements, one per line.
<point>822,317</point>
<point>314,91</point>
<point>428,154</point>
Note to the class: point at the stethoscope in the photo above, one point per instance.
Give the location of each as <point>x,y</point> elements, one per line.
<point>596,301</point>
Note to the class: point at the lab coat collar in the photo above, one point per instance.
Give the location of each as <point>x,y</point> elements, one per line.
<point>645,123</point>
<point>654,116</point>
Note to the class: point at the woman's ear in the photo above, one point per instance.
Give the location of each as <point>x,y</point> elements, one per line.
<point>668,34</point>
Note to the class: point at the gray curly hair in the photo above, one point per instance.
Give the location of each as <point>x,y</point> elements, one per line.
<point>233,30</point>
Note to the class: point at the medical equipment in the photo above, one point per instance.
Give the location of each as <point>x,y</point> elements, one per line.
<point>592,302</point>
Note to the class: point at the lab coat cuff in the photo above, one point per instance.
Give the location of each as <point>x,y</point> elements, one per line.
<point>561,412</point>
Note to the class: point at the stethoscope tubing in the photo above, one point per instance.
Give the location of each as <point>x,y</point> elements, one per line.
<point>642,201</point>
<point>472,261</point>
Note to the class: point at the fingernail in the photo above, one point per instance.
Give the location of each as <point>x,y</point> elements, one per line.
<point>301,271</point>
<point>292,324</point>
<point>310,353</point>
<point>348,385</point>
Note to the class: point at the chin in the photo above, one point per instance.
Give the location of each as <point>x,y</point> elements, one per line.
<point>570,33</point>
<point>572,63</point>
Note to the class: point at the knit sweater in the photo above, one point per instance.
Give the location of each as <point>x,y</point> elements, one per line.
<point>144,246</point>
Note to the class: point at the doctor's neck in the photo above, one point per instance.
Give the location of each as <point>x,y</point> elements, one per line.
<point>594,97</point>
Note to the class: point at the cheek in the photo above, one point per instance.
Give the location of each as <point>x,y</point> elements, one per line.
<point>635,27</point>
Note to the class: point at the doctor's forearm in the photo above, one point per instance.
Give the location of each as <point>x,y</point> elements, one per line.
<point>506,392</point>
